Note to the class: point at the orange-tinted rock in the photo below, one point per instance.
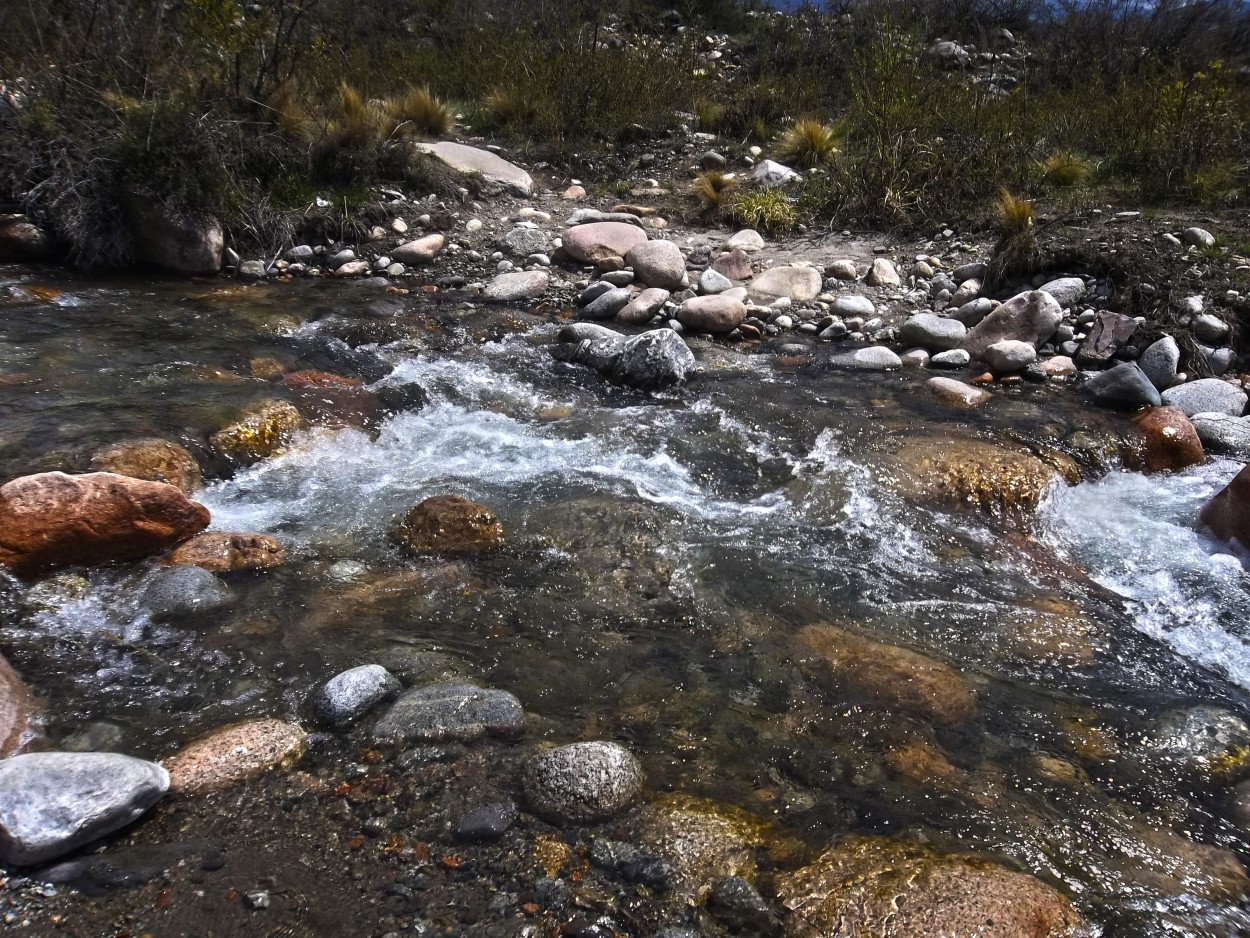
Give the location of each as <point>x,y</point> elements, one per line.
<point>1228,513</point>
<point>922,763</point>
<point>222,553</point>
<point>449,524</point>
<point>1167,441</point>
<point>892,889</point>
<point>1002,483</point>
<point>884,675</point>
<point>16,711</point>
<point>233,754</point>
<point>22,241</point>
<point>154,460</point>
<point>53,520</point>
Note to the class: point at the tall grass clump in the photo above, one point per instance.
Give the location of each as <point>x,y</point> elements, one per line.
<point>1065,170</point>
<point>416,110</point>
<point>1016,251</point>
<point>810,143</point>
<point>510,106</point>
<point>713,186</point>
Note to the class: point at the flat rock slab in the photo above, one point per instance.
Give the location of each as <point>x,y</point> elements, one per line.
<point>53,802</point>
<point>493,168</point>
<point>521,285</point>
<point>445,712</point>
<point>233,754</point>
<point>52,520</point>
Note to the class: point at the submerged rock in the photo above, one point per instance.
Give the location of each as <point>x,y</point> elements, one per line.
<point>53,802</point>
<point>1228,513</point>
<point>351,694</point>
<point>153,460</point>
<point>183,593</point>
<point>16,711</point>
<point>1207,741</point>
<point>1000,482</point>
<point>225,553</point>
<point>53,520</point>
<point>234,753</point>
<point>956,393</point>
<point>266,429</point>
<point>449,524</point>
<point>444,712</point>
<point>582,782</point>
<point>893,889</point>
<point>886,675</point>
<point>702,841</point>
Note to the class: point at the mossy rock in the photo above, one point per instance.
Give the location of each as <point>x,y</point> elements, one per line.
<point>265,430</point>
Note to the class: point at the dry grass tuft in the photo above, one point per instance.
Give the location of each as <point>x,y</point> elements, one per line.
<point>764,209</point>
<point>510,106</point>
<point>1015,214</point>
<point>1066,169</point>
<point>809,143</point>
<point>418,111</point>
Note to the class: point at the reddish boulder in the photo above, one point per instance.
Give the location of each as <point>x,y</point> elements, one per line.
<point>1166,441</point>
<point>53,520</point>
<point>1228,513</point>
<point>223,553</point>
<point>596,242</point>
<point>22,241</point>
<point>16,711</point>
<point>334,399</point>
<point>449,524</point>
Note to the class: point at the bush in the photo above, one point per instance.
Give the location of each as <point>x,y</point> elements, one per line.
<point>1065,170</point>
<point>508,106</point>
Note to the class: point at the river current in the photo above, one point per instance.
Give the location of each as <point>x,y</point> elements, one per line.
<point>662,552</point>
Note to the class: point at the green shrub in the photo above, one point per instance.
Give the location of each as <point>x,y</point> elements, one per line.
<point>765,209</point>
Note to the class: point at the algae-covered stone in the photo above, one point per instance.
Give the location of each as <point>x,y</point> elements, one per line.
<point>1000,482</point>
<point>872,886</point>
<point>154,460</point>
<point>266,429</point>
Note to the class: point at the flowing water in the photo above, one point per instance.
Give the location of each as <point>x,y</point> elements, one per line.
<point>662,553</point>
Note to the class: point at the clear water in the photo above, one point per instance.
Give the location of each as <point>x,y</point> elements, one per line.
<point>662,552</point>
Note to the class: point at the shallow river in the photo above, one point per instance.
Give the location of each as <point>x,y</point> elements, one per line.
<point>662,553</point>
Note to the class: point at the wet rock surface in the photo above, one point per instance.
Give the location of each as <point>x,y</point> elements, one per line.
<point>449,524</point>
<point>582,782</point>
<point>351,694</point>
<point>233,754</point>
<point>54,520</point>
<point>223,553</point>
<point>443,712</point>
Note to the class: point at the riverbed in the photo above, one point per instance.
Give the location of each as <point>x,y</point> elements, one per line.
<point>662,553</point>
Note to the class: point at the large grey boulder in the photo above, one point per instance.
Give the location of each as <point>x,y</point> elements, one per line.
<point>582,782</point>
<point>449,712</point>
<point>53,802</point>
<point>490,167</point>
<point>1207,396</point>
<point>174,242</point>
<point>522,241</point>
<point>658,264</point>
<point>351,694</point>
<point>1221,433</point>
<point>935,333</point>
<point>1160,362</point>
<point>1125,386</point>
<point>1028,317</point>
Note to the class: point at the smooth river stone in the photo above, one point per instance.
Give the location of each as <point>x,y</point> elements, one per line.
<point>582,782</point>
<point>799,284</point>
<point>351,694</point>
<point>1206,396</point>
<point>597,241</point>
<point>233,754</point>
<point>53,802</point>
<point>445,712</point>
<point>712,313</point>
<point>520,285</point>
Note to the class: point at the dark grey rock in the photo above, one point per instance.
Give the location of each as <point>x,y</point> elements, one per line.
<point>935,333</point>
<point>53,802</point>
<point>632,863</point>
<point>443,712</point>
<point>608,304</point>
<point>1210,328</point>
<point>128,867</point>
<point>1124,386</point>
<point>184,592</point>
<point>487,821</point>
<point>1065,290</point>
<point>523,241</point>
<point>582,782</point>
<point>351,694</point>
<point>737,903</point>
<point>1207,396</point>
<point>974,271</point>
